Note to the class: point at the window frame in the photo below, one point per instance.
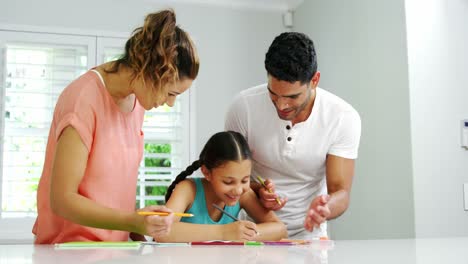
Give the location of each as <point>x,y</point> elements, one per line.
<point>20,228</point>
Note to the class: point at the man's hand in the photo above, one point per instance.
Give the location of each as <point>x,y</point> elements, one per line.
<point>269,199</point>
<point>317,213</point>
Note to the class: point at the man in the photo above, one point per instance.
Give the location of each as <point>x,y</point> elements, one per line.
<point>303,138</point>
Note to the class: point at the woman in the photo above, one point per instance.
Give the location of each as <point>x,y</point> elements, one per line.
<point>88,186</point>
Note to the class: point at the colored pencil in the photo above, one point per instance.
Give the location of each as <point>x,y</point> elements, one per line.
<point>165,214</point>
<point>99,244</point>
<point>260,179</point>
<point>240,243</point>
<point>226,213</point>
<point>217,243</point>
<point>230,215</point>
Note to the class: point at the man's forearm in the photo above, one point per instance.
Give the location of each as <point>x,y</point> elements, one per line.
<point>255,186</point>
<point>338,203</point>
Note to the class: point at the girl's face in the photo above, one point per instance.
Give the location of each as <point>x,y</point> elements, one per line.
<point>230,180</point>
<point>148,98</point>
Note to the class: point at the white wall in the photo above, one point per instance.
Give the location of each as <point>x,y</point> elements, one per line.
<point>231,42</point>
<point>438,63</point>
<point>361,48</point>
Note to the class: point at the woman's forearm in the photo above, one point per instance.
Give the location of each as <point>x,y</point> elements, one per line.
<point>83,211</point>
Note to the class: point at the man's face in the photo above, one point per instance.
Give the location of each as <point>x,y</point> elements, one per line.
<point>291,100</point>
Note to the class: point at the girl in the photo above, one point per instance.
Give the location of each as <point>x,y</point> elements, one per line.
<point>88,185</point>
<point>225,162</point>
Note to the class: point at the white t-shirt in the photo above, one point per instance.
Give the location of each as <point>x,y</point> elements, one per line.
<point>296,166</point>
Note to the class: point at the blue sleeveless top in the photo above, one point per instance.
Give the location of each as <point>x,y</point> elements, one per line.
<point>200,211</point>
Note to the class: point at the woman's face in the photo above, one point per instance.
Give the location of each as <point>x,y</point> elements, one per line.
<point>149,98</point>
<point>230,180</point>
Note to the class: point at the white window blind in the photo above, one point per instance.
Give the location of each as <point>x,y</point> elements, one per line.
<point>166,151</point>
<point>35,76</point>
<point>35,68</point>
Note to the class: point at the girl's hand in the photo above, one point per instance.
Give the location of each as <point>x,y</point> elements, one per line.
<point>269,198</point>
<point>240,230</point>
<point>155,225</point>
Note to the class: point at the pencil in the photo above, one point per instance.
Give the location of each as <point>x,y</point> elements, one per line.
<point>263,184</point>
<point>165,214</point>
<point>230,215</point>
<point>226,213</point>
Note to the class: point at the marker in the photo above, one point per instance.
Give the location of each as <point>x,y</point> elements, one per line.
<point>253,243</point>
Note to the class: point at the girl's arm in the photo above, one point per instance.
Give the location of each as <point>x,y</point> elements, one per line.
<point>181,199</point>
<point>70,163</point>
<point>188,232</point>
<point>268,224</point>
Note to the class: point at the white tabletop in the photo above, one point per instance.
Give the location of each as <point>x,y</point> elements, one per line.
<point>427,251</point>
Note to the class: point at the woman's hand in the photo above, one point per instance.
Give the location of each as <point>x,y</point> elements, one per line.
<point>155,225</point>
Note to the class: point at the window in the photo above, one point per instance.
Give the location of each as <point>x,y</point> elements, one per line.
<point>165,153</point>
<point>34,69</point>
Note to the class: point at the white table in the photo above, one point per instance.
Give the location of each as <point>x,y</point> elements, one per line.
<point>421,251</point>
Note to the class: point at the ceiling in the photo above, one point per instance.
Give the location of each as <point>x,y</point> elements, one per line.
<point>274,5</point>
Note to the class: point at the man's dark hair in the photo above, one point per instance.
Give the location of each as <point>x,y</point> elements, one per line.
<point>291,57</point>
